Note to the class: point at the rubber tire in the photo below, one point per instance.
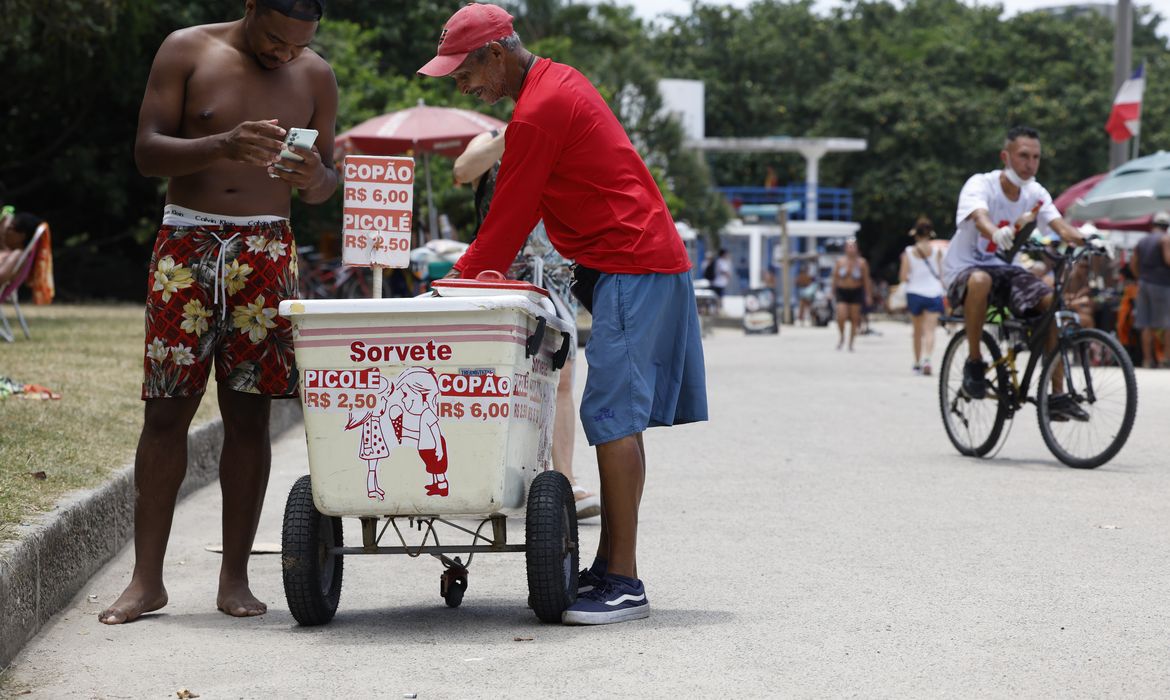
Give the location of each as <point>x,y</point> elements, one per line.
<point>455,591</point>
<point>958,341</point>
<point>1131,400</point>
<point>313,590</point>
<point>550,536</point>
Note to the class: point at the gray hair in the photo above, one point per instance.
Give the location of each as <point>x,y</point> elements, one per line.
<point>510,43</point>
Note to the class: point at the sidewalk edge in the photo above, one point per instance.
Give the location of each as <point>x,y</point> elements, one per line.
<point>59,551</point>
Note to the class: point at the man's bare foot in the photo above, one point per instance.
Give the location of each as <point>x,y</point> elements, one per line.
<point>237,600</point>
<point>135,601</point>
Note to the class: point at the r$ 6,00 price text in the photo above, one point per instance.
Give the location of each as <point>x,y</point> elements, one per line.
<point>378,196</point>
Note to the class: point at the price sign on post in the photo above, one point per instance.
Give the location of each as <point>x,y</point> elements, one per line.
<point>378,218</point>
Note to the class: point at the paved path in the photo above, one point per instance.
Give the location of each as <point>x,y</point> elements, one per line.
<point>818,537</point>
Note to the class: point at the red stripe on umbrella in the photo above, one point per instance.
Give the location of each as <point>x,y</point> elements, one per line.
<point>1082,188</point>
<point>421,129</point>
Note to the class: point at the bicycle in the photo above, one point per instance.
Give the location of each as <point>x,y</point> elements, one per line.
<point>322,278</point>
<point>1097,373</point>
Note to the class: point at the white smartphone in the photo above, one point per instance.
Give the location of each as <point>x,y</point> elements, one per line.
<point>301,138</point>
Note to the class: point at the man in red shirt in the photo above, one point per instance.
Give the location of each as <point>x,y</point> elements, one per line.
<point>569,161</point>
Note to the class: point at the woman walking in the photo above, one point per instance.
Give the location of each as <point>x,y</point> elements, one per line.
<point>851,289</point>
<point>921,274</point>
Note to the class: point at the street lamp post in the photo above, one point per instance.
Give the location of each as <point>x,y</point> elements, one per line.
<point>1122,65</point>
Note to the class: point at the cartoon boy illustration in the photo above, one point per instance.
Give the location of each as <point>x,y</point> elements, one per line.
<point>373,447</point>
<point>411,402</point>
<point>416,417</point>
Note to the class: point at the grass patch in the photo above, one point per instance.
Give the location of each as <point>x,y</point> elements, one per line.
<point>91,355</point>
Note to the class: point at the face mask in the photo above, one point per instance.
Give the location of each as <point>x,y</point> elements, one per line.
<point>1016,179</point>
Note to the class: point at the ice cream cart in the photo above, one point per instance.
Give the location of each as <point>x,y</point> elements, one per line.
<point>425,417</point>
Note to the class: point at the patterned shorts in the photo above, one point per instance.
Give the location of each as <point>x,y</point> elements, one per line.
<point>1011,286</point>
<point>212,295</point>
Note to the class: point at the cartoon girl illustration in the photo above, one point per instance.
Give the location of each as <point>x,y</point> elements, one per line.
<point>415,416</point>
<point>373,447</point>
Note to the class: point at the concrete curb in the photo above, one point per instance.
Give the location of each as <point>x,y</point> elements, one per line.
<point>55,555</point>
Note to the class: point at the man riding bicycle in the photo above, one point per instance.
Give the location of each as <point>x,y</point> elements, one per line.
<point>993,207</point>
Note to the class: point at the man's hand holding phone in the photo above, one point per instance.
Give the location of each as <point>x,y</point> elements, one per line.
<point>255,143</point>
<point>299,163</point>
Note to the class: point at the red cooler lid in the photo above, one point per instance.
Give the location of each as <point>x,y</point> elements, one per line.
<point>487,283</point>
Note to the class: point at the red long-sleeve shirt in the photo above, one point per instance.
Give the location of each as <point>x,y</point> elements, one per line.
<point>569,161</point>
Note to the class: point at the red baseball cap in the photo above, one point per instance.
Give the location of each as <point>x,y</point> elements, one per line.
<point>472,27</point>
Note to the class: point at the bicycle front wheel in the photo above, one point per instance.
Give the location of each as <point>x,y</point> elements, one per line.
<point>1090,425</point>
<point>973,425</point>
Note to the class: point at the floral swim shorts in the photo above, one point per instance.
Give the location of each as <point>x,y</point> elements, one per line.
<point>212,295</point>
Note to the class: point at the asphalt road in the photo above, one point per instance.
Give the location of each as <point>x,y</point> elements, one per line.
<point>819,537</point>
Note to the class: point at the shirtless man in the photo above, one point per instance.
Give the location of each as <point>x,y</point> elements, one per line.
<point>217,103</point>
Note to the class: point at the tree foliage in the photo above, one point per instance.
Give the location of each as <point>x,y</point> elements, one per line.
<point>930,84</point>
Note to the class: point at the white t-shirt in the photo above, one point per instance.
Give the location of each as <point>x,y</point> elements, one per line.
<point>924,277</point>
<point>723,272</point>
<point>984,191</point>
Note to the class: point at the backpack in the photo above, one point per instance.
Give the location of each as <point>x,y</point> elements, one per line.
<point>709,272</point>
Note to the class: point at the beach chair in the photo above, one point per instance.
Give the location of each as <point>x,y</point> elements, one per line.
<point>10,284</point>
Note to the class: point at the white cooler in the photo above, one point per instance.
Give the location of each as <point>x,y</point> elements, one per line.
<point>386,382</point>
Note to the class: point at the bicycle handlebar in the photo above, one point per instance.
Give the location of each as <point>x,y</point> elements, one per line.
<point>1094,245</point>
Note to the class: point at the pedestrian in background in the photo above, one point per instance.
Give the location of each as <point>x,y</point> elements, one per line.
<point>1151,266</point>
<point>852,288</point>
<point>921,276</point>
<point>722,272</point>
<point>806,291</point>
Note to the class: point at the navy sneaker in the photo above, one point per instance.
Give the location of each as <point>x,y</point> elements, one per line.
<point>1063,408</point>
<point>587,581</point>
<point>974,381</point>
<point>616,599</point>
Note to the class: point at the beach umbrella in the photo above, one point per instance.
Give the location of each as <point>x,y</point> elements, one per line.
<point>1069,197</point>
<point>1137,189</point>
<point>420,130</point>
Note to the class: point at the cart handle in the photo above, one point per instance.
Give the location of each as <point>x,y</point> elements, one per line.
<point>562,355</point>
<point>533,345</point>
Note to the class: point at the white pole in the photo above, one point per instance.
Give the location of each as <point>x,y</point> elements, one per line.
<point>812,160</point>
<point>433,216</point>
<point>755,253</point>
<point>1122,66</point>
<point>377,291</point>
<point>785,269</point>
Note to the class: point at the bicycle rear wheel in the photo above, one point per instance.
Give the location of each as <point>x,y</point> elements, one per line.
<point>973,425</point>
<point>1098,377</point>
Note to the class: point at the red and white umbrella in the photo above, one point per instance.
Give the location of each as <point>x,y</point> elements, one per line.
<point>1065,201</point>
<point>422,129</point>
<point>418,130</point>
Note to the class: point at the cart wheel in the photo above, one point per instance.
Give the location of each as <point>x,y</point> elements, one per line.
<point>456,586</point>
<point>312,574</point>
<point>551,550</point>
<point>453,583</point>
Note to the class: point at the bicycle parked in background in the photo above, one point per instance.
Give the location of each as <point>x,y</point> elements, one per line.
<point>1096,372</point>
<point>328,278</point>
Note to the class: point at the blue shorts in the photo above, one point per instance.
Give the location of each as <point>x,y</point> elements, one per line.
<point>916,304</point>
<point>645,356</point>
